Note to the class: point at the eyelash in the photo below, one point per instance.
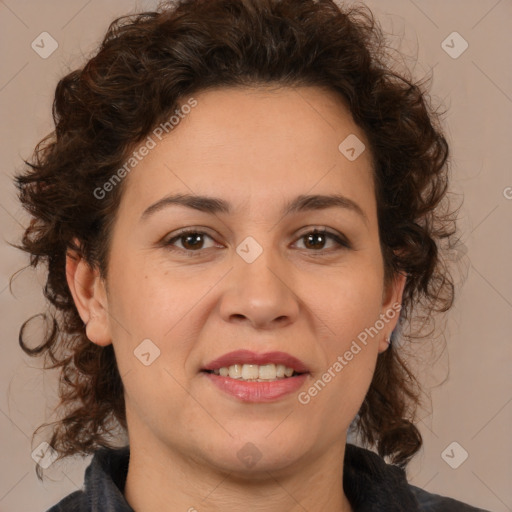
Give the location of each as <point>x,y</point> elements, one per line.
<point>342,243</point>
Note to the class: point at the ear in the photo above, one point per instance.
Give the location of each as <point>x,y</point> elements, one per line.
<point>391,305</point>
<point>90,297</point>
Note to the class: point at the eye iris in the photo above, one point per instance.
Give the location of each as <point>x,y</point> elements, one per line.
<point>196,244</point>
<point>311,236</point>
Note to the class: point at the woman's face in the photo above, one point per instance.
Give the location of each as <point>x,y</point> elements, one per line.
<point>254,278</point>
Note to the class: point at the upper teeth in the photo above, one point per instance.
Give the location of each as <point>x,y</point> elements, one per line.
<point>255,372</point>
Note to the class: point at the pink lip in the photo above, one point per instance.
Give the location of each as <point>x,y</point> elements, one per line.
<point>249,357</point>
<point>257,391</point>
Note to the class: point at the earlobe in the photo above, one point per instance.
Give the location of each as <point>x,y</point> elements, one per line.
<point>88,290</point>
<point>391,305</point>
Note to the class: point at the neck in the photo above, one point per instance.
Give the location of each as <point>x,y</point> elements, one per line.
<point>162,479</point>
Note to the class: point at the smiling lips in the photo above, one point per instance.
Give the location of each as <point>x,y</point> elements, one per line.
<point>246,358</point>
<point>253,377</point>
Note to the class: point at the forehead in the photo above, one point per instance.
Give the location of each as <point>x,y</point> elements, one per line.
<point>255,146</point>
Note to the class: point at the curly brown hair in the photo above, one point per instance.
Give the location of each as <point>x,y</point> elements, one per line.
<point>145,65</point>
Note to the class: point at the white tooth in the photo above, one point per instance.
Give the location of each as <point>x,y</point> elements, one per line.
<point>267,371</point>
<point>235,371</point>
<point>288,372</point>
<point>250,371</point>
<point>254,372</point>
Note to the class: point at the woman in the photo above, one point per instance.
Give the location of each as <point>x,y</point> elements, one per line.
<point>241,209</point>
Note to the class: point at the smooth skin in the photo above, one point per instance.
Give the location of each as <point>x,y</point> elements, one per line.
<point>196,299</point>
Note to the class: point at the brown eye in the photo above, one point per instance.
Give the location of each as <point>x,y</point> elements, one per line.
<point>191,241</point>
<point>316,240</point>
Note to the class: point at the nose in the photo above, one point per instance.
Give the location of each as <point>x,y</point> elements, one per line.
<point>260,294</point>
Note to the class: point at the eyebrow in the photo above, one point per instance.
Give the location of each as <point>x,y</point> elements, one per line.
<point>214,205</point>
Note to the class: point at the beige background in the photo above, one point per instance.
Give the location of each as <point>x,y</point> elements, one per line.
<point>472,407</point>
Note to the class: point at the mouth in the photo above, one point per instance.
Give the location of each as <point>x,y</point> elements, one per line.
<point>255,373</point>
<point>251,366</point>
<point>253,377</point>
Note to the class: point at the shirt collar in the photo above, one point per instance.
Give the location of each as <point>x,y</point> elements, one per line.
<point>371,484</point>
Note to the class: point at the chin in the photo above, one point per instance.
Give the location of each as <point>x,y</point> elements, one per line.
<point>256,451</point>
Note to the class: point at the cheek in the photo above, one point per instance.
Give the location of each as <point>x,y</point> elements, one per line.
<point>349,301</point>
<point>146,304</point>
<point>336,392</point>
<point>350,310</point>
<point>162,306</point>
<point>148,298</point>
